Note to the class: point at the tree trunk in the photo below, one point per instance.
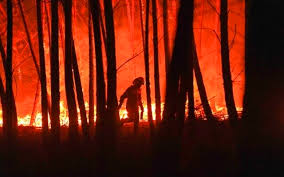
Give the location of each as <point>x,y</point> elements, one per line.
<point>178,80</point>
<point>146,61</point>
<point>100,82</point>
<point>111,61</point>
<point>156,62</point>
<point>179,64</point>
<point>166,35</point>
<point>80,96</point>
<point>33,114</point>
<point>225,55</point>
<point>91,75</point>
<point>44,102</point>
<point>54,67</point>
<point>245,101</point>
<point>190,89</point>
<point>200,85</point>
<point>29,37</point>
<point>191,102</point>
<point>11,107</point>
<point>69,84</point>
<point>2,91</point>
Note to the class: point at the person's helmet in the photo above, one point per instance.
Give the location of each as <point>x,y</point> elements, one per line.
<point>138,81</point>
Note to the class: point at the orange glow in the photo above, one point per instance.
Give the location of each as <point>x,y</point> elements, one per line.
<point>64,120</point>
<point>128,44</point>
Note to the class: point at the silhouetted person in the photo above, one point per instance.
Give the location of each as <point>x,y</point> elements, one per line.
<point>133,95</point>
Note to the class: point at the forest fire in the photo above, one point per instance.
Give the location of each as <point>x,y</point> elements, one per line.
<point>220,114</point>
<point>124,87</point>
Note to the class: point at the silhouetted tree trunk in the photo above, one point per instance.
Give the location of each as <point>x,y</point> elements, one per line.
<point>33,113</point>
<point>2,91</point>
<point>200,85</point>
<point>28,37</point>
<point>190,94</point>
<point>245,101</point>
<point>54,67</point>
<point>178,65</point>
<point>91,75</point>
<point>178,80</point>
<point>225,55</point>
<point>69,84</point>
<point>44,102</point>
<point>166,35</point>
<point>156,62</point>
<point>146,61</point>
<point>47,22</point>
<point>49,42</point>
<point>100,82</point>
<point>79,93</point>
<point>11,107</point>
<point>111,61</point>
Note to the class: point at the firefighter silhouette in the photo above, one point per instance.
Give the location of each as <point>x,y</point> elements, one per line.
<point>133,95</point>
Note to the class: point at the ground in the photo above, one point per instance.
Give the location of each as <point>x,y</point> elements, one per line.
<point>207,149</point>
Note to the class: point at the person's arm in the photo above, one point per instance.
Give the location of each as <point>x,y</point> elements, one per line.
<point>123,96</point>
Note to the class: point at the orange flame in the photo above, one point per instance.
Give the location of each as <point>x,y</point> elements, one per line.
<point>220,113</point>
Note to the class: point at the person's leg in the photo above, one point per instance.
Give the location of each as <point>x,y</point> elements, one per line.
<point>136,121</point>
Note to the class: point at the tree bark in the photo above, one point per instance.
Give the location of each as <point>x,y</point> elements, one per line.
<point>156,62</point>
<point>166,35</point>
<point>100,82</point>
<point>69,83</point>
<point>225,55</point>
<point>200,85</point>
<point>146,62</point>
<point>91,75</point>
<point>54,67</point>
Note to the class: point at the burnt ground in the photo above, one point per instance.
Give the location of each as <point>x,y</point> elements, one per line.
<point>206,149</point>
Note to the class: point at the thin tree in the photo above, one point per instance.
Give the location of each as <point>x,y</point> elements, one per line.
<point>245,101</point>
<point>111,61</point>
<point>54,67</point>
<point>156,62</point>
<point>34,60</point>
<point>3,92</point>
<point>100,82</point>
<point>91,73</point>
<point>225,55</point>
<point>146,62</point>
<point>200,85</point>
<point>44,102</point>
<point>28,37</point>
<point>79,93</point>
<point>69,83</point>
<point>166,34</point>
<point>10,100</point>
